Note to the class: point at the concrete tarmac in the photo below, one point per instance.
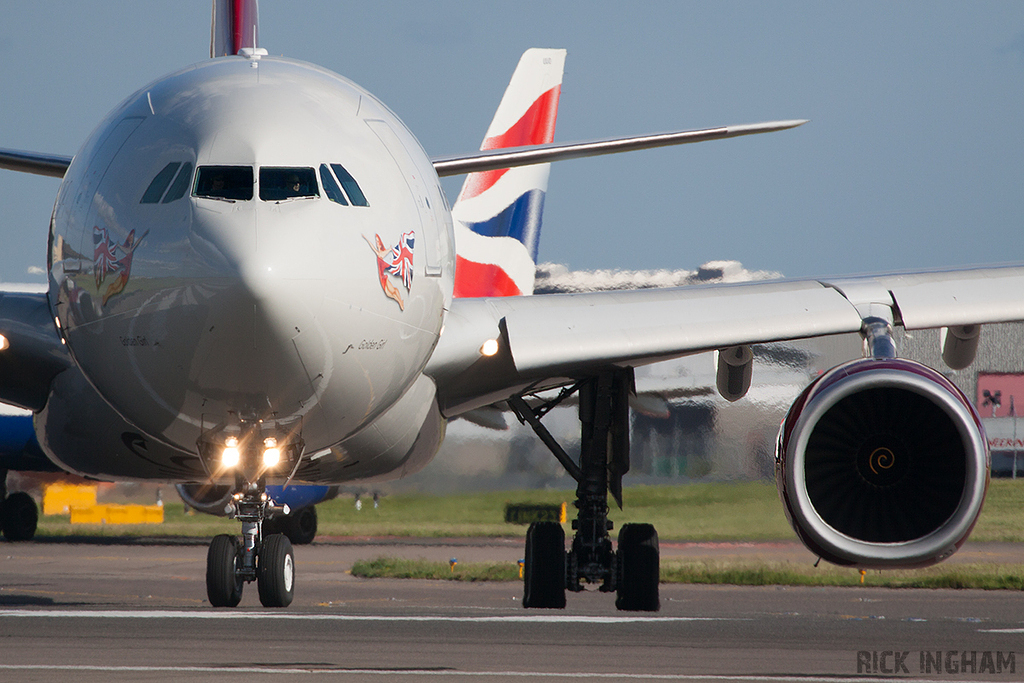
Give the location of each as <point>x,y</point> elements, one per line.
<point>128,612</point>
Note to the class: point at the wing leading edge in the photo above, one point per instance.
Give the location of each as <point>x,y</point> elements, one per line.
<point>491,160</point>
<point>544,339</point>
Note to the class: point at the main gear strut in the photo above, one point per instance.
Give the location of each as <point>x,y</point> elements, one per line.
<point>633,571</point>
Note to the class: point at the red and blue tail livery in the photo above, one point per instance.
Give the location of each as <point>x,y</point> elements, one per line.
<point>498,213</point>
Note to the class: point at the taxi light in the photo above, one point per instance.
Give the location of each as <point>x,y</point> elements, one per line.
<point>271,453</point>
<point>489,347</point>
<point>230,456</point>
<point>271,457</point>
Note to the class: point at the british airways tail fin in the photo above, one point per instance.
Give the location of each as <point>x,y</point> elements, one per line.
<point>498,213</point>
<point>236,25</point>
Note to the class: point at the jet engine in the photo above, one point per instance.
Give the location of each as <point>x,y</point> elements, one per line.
<point>209,498</point>
<point>882,462</point>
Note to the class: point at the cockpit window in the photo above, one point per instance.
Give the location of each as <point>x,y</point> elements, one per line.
<point>160,182</point>
<point>331,188</point>
<point>224,182</point>
<point>280,183</point>
<point>350,185</point>
<point>180,184</point>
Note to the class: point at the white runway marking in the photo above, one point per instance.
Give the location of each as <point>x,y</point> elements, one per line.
<point>237,615</point>
<point>448,673</point>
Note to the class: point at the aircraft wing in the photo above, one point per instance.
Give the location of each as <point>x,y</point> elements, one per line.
<point>53,165</point>
<point>508,157</point>
<point>544,340</point>
<point>491,160</point>
<point>31,351</point>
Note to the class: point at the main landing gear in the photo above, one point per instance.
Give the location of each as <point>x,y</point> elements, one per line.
<point>19,515</point>
<point>266,559</point>
<point>298,525</point>
<point>632,571</point>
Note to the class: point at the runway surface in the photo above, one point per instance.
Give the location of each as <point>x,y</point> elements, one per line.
<point>113,612</point>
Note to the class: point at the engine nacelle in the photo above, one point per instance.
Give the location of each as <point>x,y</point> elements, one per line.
<point>215,499</point>
<point>882,462</point>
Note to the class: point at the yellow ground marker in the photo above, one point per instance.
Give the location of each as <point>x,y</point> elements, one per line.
<point>118,514</point>
<point>60,499</point>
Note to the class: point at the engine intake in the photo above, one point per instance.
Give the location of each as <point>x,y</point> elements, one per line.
<point>882,462</point>
<point>212,499</point>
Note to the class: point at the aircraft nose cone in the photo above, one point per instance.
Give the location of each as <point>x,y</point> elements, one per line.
<point>259,310</point>
<point>259,344</point>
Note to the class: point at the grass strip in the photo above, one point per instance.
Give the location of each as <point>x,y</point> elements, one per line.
<point>729,511</point>
<point>396,568</point>
<point>978,576</point>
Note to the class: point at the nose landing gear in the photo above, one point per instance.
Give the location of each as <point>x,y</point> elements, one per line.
<point>254,450</point>
<point>267,560</point>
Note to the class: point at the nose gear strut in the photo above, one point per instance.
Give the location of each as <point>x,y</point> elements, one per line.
<point>633,571</point>
<point>267,560</point>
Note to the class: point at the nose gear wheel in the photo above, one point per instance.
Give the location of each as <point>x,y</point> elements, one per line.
<point>223,582</point>
<point>276,573</point>
<point>266,559</point>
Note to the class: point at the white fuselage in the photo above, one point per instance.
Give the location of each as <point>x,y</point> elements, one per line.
<point>190,309</point>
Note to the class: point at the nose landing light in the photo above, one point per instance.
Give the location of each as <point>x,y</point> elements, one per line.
<point>230,456</point>
<point>251,454</point>
<point>271,453</point>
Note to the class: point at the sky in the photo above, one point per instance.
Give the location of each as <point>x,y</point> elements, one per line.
<point>913,159</point>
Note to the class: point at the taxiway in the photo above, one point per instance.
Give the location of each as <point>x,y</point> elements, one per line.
<point>102,612</point>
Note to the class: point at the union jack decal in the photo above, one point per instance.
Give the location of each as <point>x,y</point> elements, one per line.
<point>103,255</point>
<point>396,262</point>
<point>105,260</point>
<point>401,259</point>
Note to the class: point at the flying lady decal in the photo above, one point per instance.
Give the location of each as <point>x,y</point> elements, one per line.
<point>105,260</point>
<point>395,262</point>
